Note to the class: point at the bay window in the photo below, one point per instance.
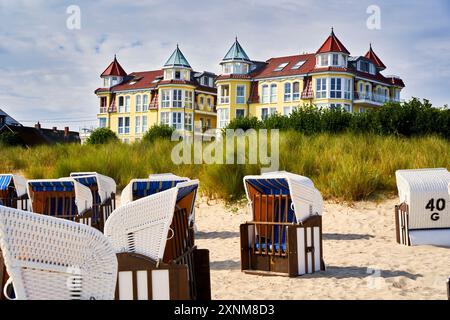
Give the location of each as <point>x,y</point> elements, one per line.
<point>188,121</point>
<point>177,100</point>
<point>348,89</point>
<point>165,98</point>
<point>335,88</point>
<point>188,99</point>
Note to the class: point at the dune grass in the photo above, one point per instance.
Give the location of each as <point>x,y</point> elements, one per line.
<point>346,167</point>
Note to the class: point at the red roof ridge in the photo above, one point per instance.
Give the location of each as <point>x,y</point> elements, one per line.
<point>374,58</point>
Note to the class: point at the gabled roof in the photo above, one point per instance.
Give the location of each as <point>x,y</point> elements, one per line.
<point>8,119</point>
<point>332,44</point>
<point>374,58</point>
<point>177,59</point>
<point>236,52</point>
<point>114,69</point>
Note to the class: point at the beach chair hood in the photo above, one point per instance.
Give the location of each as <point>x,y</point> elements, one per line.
<point>142,226</point>
<point>83,195</point>
<point>106,185</point>
<point>19,182</point>
<point>306,199</point>
<point>425,191</point>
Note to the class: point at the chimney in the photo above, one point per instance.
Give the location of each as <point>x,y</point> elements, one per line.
<point>66,131</point>
<point>55,129</point>
<point>38,126</point>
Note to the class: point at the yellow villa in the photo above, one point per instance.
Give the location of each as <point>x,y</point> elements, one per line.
<point>328,78</point>
<point>174,95</point>
<point>195,101</point>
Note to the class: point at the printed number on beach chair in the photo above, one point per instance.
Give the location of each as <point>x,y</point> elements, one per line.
<point>285,234</point>
<point>55,259</point>
<point>423,215</point>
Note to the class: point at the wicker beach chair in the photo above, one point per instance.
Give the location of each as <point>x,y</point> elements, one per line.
<point>64,198</point>
<point>55,259</point>
<point>155,245</point>
<point>285,234</point>
<point>13,191</point>
<point>103,190</point>
<point>423,215</point>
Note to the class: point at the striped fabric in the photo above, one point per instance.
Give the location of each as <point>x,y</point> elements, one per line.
<point>52,186</point>
<point>185,191</point>
<point>88,181</point>
<point>5,181</point>
<point>145,188</point>
<point>270,186</point>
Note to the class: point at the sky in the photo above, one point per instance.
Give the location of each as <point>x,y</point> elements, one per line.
<point>49,71</point>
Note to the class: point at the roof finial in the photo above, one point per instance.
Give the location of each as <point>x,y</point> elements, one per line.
<point>115,58</point>
<point>370,45</point>
<point>236,38</point>
<point>332,30</point>
<point>177,45</point>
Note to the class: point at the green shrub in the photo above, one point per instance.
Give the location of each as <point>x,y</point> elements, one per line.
<point>102,136</point>
<point>9,139</point>
<point>161,131</point>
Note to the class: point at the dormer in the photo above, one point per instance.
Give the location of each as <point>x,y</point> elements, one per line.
<point>236,60</point>
<point>113,74</point>
<point>332,53</point>
<point>177,67</point>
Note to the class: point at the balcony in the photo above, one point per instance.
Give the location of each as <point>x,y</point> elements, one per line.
<point>205,108</point>
<point>370,99</point>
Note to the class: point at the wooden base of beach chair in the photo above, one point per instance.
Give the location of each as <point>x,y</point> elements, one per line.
<point>141,278</point>
<point>448,289</point>
<point>301,254</point>
<point>401,224</point>
<point>8,199</point>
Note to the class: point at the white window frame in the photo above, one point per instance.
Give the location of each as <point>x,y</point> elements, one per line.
<point>137,125</point>
<point>101,121</point>
<point>295,94</point>
<point>127,104</point>
<point>223,116</point>
<point>288,91</point>
<point>188,99</point>
<point>123,129</point>
<point>138,100</point>
<point>177,120</point>
<point>321,88</point>
<point>144,124</point>
<point>265,94</point>
<point>188,121</point>
<point>335,93</point>
<point>236,113</point>
<point>273,93</point>
<point>347,88</point>
<point>177,98</point>
<point>240,99</point>
<point>145,102</point>
<point>165,118</point>
<point>165,98</point>
<point>121,105</point>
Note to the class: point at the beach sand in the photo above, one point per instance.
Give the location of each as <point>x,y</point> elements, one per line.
<point>362,258</point>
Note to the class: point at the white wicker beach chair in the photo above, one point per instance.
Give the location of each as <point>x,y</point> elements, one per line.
<point>423,215</point>
<point>13,191</point>
<point>54,259</point>
<point>286,226</point>
<point>155,245</point>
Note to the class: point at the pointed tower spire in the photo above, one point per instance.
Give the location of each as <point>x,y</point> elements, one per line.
<point>332,44</point>
<point>177,59</point>
<point>374,58</point>
<point>114,69</point>
<point>236,52</point>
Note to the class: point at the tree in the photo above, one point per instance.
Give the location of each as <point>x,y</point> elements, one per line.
<point>9,139</point>
<point>102,136</point>
<point>162,131</point>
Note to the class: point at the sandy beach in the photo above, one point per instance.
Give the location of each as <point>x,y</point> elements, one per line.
<point>362,258</point>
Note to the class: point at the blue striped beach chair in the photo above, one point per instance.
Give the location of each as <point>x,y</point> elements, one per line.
<point>13,191</point>
<point>284,236</point>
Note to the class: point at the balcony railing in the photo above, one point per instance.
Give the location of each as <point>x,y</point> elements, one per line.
<point>103,109</point>
<point>372,97</point>
<point>205,107</point>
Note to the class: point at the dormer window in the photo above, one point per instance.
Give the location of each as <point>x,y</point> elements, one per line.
<point>366,66</point>
<point>335,58</point>
<point>281,66</point>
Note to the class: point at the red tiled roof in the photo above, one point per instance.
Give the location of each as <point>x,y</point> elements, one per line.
<point>114,69</point>
<point>397,81</point>
<point>374,58</point>
<point>144,80</point>
<point>273,63</point>
<point>332,44</point>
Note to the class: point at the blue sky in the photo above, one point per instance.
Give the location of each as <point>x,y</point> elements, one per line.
<point>49,72</point>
